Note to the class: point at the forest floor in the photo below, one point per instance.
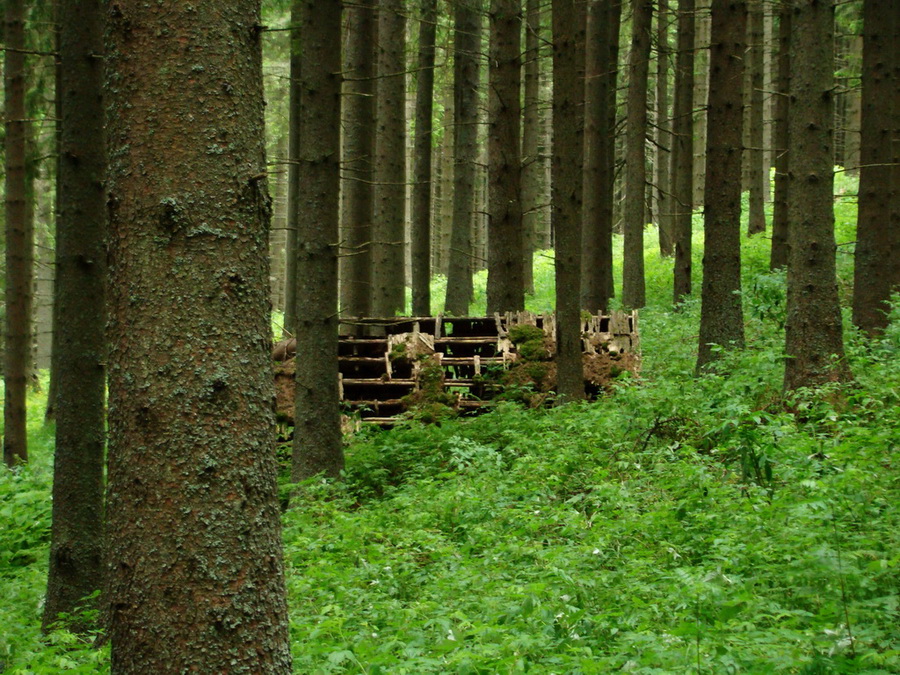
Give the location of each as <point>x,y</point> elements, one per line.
<point>680,524</point>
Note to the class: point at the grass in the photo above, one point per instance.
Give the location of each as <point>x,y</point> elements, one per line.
<point>680,525</point>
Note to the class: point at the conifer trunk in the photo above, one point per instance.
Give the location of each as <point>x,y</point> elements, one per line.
<point>318,445</point>
<point>721,320</point>
<point>601,55</point>
<point>633,284</point>
<point>293,188</point>
<point>19,241</point>
<point>422,183</point>
<point>663,133</point>
<point>872,280</point>
<point>466,82</point>
<point>79,353</point>
<point>388,259</point>
<point>532,162</point>
<point>505,284</point>
<point>780,139</point>
<point>813,332</point>
<point>357,194</point>
<point>195,571</point>
<point>757,171</point>
<point>683,151</point>
<point>568,148</point>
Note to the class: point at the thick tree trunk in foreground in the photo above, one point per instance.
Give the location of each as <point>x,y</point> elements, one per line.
<point>466,80</point>
<point>421,192</point>
<point>318,445</point>
<point>721,321</point>
<point>633,285</point>
<point>195,571</point>
<point>388,260</point>
<point>357,194</point>
<point>872,280</point>
<point>79,319</point>
<point>779,255</point>
<point>813,333</point>
<point>19,241</point>
<point>682,151</point>
<point>568,149</point>
<point>505,286</point>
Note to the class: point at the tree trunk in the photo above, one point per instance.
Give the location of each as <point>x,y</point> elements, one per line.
<point>196,579</point>
<point>871,280</point>
<point>388,279</point>
<point>358,149</point>
<point>721,321</point>
<point>19,241</point>
<point>610,173</point>
<point>531,134</point>
<point>79,354</point>
<point>599,152</point>
<point>758,175</point>
<point>466,81</point>
<point>780,138</point>
<point>813,332</point>
<point>318,446</point>
<point>633,285</point>
<point>853,102</point>
<point>293,159</point>
<point>682,151</point>
<point>701,97</point>
<point>505,284</point>
<point>52,386</point>
<point>663,133</point>
<point>278,233</point>
<point>421,197</point>
<point>568,149</point>
<point>447,175</point>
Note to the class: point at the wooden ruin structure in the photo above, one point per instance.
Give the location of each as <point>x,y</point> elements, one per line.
<point>391,366</point>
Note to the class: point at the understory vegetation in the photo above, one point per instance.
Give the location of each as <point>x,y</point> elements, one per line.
<point>680,524</point>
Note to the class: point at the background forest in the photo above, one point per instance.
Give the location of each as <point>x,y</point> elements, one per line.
<point>729,168</point>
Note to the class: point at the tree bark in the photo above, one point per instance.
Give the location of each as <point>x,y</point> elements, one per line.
<point>758,175</point>
<point>357,193</point>
<point>293,204</point>
<point>19,241</point>
<point>195,571</point>
<point>388,278</point>
<point>721,320</point>
<point>447,192</point>
<point>422,183</point>
<point>568,149</point>
<point>779,254</point>
<point>871,280</point>
<point>683,152</point>
<point>79,354</point>
<point>701,97</point>
<point>318,445</point>
<point>633,284</point>
<point>466,81</point>
<point>532,161</point>
<point>813,332</point>
<point>599,152</point>
<point>505,284</point>
<point>663,133</point>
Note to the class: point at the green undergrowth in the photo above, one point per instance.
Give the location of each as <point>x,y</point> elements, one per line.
<point>681,525</point>
<point>678,525</point>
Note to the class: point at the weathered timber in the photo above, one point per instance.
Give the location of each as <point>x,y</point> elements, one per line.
<point>461,363</point>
